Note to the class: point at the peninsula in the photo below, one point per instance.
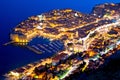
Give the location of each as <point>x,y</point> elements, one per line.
<point>88,39</point>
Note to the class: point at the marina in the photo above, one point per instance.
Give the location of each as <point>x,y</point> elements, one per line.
<point>71,38</point>
<point>52,47</point>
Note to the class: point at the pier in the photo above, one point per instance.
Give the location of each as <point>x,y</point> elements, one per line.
<point>8,43</point>
<point>34,50</point>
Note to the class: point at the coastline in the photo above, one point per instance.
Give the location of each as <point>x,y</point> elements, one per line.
<point>33,53</point>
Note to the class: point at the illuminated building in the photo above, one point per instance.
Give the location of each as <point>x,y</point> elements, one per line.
<point>87,36</point>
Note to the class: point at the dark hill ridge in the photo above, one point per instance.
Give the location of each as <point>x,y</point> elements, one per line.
<point>110,70</point>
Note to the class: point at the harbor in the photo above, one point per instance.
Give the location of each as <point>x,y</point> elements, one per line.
<point>84,43</point>
<point>51,47</point>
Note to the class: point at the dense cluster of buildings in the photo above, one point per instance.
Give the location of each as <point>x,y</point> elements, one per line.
<point>88,40</point>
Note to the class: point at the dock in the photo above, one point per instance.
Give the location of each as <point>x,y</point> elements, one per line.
<point>8,43</point>
<point>34,50</point>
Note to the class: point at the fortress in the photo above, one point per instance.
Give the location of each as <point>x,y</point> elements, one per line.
<point>69,26</point>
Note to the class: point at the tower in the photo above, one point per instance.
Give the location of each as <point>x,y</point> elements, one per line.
<point>76,34</point>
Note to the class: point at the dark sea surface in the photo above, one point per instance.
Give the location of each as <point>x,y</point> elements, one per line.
<point>12,12</point>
